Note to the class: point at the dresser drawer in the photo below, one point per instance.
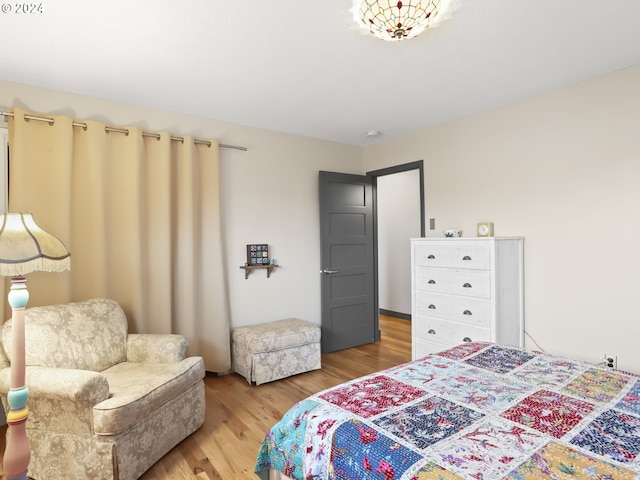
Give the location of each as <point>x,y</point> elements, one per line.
<point>469,310</point>
<point>453,253</point>
<point>448,333</point>
<point>422,348</point>
<point>474,283</point>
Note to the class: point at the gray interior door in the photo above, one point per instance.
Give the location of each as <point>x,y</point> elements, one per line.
<point>349,309</point>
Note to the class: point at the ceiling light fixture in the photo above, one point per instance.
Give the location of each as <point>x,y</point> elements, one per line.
<point>392,20</point>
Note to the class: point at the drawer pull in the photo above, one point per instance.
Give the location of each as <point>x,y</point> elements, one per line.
<point>466,339</point>
<point>432,282</point>
<point>467,312</point>
<point>466,257</point>
<point>466,285</point>
<point>431,257</point>
<point>432,331</point>
<point>432,306</point>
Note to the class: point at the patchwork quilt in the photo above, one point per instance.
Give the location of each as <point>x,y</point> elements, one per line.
<point>476,411</point>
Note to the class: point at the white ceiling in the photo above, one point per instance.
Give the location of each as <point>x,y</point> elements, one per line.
<point>306,68</point>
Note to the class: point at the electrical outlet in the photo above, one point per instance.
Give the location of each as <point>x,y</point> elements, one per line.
<point>610,361</point>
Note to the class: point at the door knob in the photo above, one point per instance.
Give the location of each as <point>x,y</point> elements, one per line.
<point>327,271</point>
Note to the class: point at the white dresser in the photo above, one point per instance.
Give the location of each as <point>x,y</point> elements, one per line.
<point>464,290</point>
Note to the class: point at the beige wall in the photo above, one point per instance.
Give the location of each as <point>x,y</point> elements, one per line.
<point>270,195</point>
<point>562,170</point>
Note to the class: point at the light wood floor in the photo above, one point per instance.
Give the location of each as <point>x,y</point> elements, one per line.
<point>238,415</point>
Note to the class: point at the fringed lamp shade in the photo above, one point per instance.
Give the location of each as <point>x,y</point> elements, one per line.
<point>393,20</point>
<point>26,248</point>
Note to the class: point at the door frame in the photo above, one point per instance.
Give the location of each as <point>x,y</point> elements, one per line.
<point>417,165</point>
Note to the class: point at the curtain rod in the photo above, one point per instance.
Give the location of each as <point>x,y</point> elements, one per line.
<point>51,121</point>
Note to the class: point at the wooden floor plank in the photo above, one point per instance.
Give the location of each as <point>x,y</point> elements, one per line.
<point>238,414</point>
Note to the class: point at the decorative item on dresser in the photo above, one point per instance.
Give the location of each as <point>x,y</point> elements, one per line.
<point>466,290</point>
<point>485,229</point>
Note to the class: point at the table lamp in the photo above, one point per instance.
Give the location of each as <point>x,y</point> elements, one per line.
<point>24,248</point>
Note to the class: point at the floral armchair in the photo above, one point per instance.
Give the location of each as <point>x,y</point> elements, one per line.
<point>103,404</point>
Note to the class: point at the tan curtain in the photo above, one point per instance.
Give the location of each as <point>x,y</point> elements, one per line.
<point>141,218</point>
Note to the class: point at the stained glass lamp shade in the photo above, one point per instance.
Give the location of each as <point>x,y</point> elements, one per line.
<point>392,20</point>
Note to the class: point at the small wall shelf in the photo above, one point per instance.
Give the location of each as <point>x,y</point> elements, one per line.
<point>250,268</point>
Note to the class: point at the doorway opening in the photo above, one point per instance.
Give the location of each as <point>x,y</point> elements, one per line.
<point>399,215</point>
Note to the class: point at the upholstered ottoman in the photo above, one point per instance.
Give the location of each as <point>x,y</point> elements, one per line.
<point>274,350</point>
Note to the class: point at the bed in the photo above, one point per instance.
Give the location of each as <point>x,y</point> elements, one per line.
<point>476,411</point>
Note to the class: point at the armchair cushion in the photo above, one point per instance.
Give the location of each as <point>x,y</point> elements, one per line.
<point>89,335</point>
<point>139,389</point>
<point>156,348</point>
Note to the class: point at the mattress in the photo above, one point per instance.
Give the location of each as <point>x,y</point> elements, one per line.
<point>475,411</point>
